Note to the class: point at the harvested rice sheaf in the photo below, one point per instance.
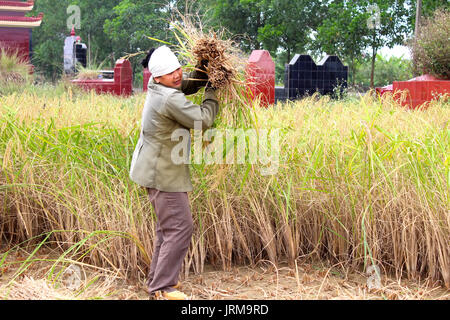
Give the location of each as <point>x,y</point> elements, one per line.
<point>226,63</point>
<point>220,69</point>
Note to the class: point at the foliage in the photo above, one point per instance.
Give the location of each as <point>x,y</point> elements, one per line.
<point>431,47</point>
<point>241,18</point>
<point>388,69</point>
<point>289,25</point>
<point>118,27</point>
<point>48,39</point>
<point>347,31</point>
<point>428,8</point>
<point>267,24</point>
<point>132,21</point>
<point>93,16</point>
<point>343,33</point>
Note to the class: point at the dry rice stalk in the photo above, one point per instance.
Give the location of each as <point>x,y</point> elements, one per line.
<point>30,289</point>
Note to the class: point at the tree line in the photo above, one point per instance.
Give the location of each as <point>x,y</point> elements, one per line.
<point>115,28</point>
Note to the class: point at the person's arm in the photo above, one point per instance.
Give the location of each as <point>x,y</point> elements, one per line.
<point>187,113</point>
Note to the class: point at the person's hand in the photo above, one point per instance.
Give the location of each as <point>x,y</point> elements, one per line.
<point>201,70</point>
<point>203,65</point>
<point>210,86</point>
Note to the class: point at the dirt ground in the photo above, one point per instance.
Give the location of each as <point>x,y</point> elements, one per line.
<point>304,281</point>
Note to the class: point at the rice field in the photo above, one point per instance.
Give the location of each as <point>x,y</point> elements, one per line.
<point>360,182</point>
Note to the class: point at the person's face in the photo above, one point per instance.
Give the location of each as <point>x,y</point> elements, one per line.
<point>172,80</point>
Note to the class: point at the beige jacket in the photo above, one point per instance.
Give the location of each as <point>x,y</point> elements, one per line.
<point>166,110</point>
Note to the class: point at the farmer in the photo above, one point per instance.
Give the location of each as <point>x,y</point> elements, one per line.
<point>153,166</point>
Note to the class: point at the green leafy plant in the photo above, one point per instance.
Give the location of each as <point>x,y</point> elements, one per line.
<point>431,47</point>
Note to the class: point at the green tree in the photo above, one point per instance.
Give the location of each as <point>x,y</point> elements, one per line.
<point>132,22</point>
<point>289,25</point>
<point>343,33</point>
<point>391,29</point>
<point>428,7</point>
<point>275,25</point>
<point>351,28</point>
<point>388,69</point>
<point>241,18</point>
<point>430,47</point>
<point>48,39</point>
<point>93,16</point>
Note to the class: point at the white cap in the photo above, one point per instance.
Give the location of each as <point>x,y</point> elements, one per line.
<point>163,61</point>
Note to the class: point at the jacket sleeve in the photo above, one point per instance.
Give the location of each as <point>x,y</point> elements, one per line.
<point>187,113</point>
<point>190,86</point>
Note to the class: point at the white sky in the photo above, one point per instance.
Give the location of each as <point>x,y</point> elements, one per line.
<point>396,51</point>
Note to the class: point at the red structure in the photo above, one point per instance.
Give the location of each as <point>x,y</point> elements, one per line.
<point>16,29</point>
<point>261,77</point>
<point>121,84</point>
<point>419,91</point>
<point>382,90</point>
<point>147,75</point>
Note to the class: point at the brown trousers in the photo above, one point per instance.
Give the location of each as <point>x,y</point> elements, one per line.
<point>173,236</point>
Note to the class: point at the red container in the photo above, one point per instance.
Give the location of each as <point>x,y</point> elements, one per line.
<point>122,84</point>
<point>261,77</point>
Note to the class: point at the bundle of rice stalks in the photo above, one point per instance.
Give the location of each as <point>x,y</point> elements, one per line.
<point>220,69</point>
<point>226,63</point>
